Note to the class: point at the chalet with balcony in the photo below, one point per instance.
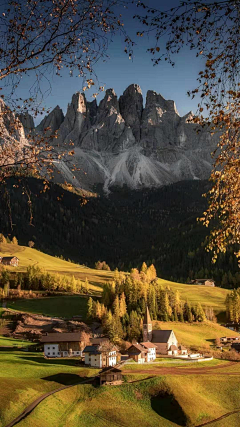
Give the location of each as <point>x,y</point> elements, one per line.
<point>66,344</point>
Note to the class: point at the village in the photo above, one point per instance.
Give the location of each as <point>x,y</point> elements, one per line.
<point>101,353</point>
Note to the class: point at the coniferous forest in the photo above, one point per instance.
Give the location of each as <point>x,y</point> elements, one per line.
<point>124,301</point>
<point>158,226</point>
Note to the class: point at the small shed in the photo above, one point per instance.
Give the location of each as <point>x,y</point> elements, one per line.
<point>110,376</point>
<point>10,260</point>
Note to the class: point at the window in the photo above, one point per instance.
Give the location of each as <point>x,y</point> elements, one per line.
<point>48,354</point>
<point>48,348</point>
<point>53,354</point>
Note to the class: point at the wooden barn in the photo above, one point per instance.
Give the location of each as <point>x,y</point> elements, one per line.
<point>110,376</point>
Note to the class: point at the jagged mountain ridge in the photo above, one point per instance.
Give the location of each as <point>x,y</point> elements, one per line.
<point>122,142</point>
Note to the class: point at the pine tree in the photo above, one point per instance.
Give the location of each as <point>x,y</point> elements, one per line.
<point>86,285</point>
<point>2,238</point>
<point>151,273</point>
<point>116,307</point>
<point>90,312</point>
<point>98,310</point>
<point>199,312</point>
<point>14,241</point>
<point>144,268</point>
<point>122,305</point>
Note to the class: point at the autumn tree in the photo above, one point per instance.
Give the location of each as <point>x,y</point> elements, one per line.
<point>2,238</point>
<point>90,312</point>
<point>40,39</point>
<point>211,29</point>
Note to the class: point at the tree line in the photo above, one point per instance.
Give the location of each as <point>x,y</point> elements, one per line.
<point>157,226</point>
<point>37,279</point>
<point>124,301</point>
<point>233,305</point>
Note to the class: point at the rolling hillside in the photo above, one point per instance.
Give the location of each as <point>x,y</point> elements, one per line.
<point>212,297</point>
<point>28,256</point>
<point>126,228</point>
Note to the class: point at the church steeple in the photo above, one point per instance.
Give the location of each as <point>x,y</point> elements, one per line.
<point>147,326</point>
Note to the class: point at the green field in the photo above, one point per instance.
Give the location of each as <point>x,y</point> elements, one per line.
<point>25,376</point>
<point>56,306</point>
<point>11,342</point>
<point>163,401</point>
<point>213,297</point>
<point>196,334</point>
<point>207,296</point>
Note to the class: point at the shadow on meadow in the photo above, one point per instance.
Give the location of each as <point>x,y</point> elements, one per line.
<point>42,360</point>
<point>166,406</point>
<point>65,378</point>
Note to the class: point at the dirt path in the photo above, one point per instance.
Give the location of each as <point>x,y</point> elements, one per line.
<point>36,402</point>
<point>220,418</point>
<point>213,370</point>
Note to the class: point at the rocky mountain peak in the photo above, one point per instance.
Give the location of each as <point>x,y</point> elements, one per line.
<point>131,108</point>
<point>121,142</point>
<point>52,122</point>
<point>156,100</point>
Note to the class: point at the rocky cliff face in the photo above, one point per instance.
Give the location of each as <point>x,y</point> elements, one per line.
<point>121,142</point>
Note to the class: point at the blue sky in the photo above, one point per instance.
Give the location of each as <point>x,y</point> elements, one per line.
<point>119,72</point>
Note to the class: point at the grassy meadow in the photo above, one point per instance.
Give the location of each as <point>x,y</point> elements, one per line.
<point>169,401</point>
<point>196,334</point>
<point>213,297</point>
<point>56,306</point>
<point>30,256</point>
<point>207,296</point>
<point>26,376</point>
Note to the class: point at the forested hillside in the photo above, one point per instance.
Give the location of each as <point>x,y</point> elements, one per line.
<point>126,228</point>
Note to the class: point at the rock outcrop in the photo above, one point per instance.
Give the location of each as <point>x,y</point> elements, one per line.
<point>51,123</point>
<point>121,142</point>
<point>27,121</point>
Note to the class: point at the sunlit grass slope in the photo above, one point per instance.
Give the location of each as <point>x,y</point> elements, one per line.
<point>207,296</point>
<point>191,400</point>
<point>28,256</point>
<point>25,376</point>
<point>213,297</point>
<point>197,334</point>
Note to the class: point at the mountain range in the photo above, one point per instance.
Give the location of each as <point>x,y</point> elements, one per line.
<point>122,141</point>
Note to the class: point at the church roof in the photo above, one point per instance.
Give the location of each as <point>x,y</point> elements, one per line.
<point>159,336</point>
<point>147,318</point>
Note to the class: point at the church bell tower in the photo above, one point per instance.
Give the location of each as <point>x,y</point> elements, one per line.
<point>147,326</point>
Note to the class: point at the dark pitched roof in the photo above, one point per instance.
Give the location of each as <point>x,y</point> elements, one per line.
<point>61,337</point>
<point>8,258</point>
<point>148,344</point>
<point>159,336</point>
<point>91,349</point>
<point>138,347</point>
<point>100,348</point>
<point>147,318</point>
